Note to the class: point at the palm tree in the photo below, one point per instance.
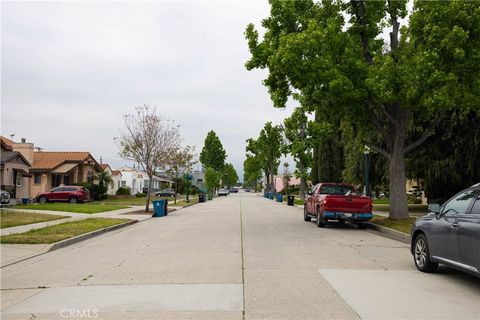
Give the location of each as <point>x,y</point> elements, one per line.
<point>103,180</point>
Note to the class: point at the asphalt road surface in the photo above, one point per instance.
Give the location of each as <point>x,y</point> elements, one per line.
<point>237,257</point>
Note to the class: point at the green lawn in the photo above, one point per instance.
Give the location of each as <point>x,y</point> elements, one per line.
<point>412,208</point>
<point>60,231</point>
<point>381,201</point>
<point>183,203</point>
<point>72,207</point>
<point>137,201</point>
<point>15,218</point>
<point>142,201</point>
<point>404,225</point>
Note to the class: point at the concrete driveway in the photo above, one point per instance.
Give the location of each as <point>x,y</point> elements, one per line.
<point>238,257</point>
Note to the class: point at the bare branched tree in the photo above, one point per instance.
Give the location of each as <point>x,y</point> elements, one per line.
<point>149,139</point>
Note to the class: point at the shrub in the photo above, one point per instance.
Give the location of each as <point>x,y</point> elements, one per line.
<point>140,195</point>
<point>123,191</point>
<point>411,199</point>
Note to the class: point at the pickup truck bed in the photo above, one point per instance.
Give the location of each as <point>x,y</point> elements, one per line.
<point>335,201</point>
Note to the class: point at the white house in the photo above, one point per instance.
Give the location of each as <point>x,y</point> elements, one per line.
<point>117,182</point>
<point>137,180</point>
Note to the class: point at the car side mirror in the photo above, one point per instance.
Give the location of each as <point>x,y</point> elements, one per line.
<point>434,207</point>
<point>309,192</point>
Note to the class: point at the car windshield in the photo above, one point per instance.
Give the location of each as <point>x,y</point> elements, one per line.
<point>336,189</point>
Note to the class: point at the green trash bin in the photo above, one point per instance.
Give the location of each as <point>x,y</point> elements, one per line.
<point>202,198</point>
<point>160,208</point>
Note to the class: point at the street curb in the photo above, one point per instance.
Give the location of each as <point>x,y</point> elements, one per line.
<point>390,233</point>
<point>70,241</point>
<point>189,205</point>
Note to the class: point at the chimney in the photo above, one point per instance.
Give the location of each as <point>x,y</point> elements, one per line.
<point>25,148</point>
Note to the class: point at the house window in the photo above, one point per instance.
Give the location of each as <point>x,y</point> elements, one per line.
<point>37,179</point>
<point>19,180</point>
<point>90,176</point>
<point>124,183</point>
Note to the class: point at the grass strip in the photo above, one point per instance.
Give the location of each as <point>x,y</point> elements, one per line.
<point>88,208</point>
<point>136,201</point>
<point>61,231</point>
<point>182,203</point>
<point>15,218</point>
<point>402,225</point>
<point>412,208</point>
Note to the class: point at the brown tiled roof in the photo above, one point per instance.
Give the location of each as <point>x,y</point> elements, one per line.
<point>8,144</point>
<point>49,160</point>
<point>116,173</point>
<point>104,166</point>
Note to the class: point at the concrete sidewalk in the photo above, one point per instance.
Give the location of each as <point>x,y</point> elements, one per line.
<point>10,253</point>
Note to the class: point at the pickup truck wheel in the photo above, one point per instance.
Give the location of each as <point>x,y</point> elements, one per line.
<point>320,219</point>
<point>305,214</point>
<point>362,225</point>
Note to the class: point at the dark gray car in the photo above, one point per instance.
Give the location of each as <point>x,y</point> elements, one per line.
<point>449,234</point>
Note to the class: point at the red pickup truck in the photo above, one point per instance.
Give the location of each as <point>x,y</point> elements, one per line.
<point>337,201</point>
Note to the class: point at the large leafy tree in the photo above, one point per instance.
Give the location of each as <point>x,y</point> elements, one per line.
<point>298,145</point>
<point>213,155</point>
<point>229,176</point>
<point>212,180</point>
<point>252,172</point>
<point>267,148</point>
<point>451,160</point>
<point>393,92</point>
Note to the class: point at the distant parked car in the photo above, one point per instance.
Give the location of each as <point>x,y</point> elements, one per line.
<point>233,190</point>
<point>223,192</point>
<point>72,194</point>
<point>4,197</point>
<point>165,193</point>
<point>449,234</point>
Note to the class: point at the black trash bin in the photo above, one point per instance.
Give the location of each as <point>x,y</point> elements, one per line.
<point>291,201</point>
<point>201,198</point>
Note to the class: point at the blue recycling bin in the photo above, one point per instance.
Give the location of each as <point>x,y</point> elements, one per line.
<point>25,200</point>
<point>160,208</point>
<point>279,198</point>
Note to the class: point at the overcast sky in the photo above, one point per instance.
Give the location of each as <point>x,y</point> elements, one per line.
<point>71,70</point>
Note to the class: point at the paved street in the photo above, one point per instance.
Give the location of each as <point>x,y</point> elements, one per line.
<point>236,257</point>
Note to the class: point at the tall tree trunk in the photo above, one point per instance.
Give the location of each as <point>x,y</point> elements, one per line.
<point>267,187</point>
<point>303,184</point>
<point>147,205</point>
<point>397,184</point>
<point>315,173</point>
<point>176,189</point>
